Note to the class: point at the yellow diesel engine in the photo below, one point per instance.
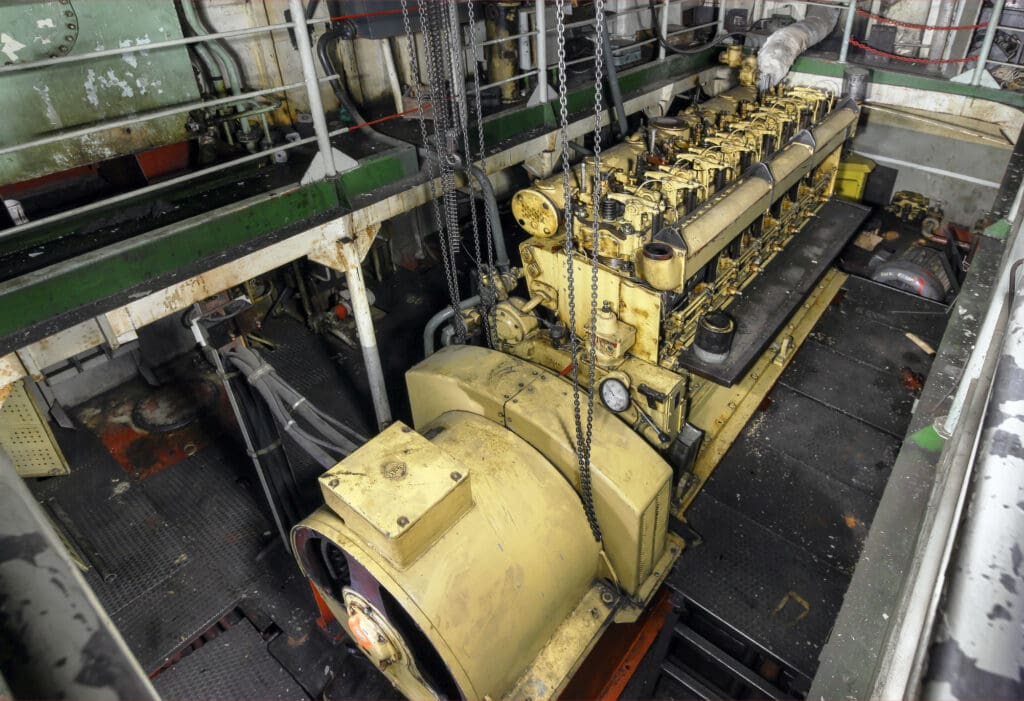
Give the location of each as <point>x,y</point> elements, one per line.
<point>689,213</point>
<point>472,555</point>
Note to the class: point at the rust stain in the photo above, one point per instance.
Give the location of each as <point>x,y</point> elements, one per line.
<point>139,452</point>
<point>912,381</point>
<point>851,521</point>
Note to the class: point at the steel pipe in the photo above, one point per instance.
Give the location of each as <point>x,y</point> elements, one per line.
<point>364,326</point>
<point>316,105</point>
<point>829,5</point>
<point>198,27</point>
<point>851,14</point>
<point>155,46</point>
<point>664,27</point>
<point>612,76</point>
<point>392,70</point>
<point>145,117</point>
<point>501,259</point>
<point>540,26</point>
<point>986,44</point>
<point>510,79</point>
<point>439,319</point>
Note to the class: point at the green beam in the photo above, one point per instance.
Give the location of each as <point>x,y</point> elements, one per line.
<point>882,76</point>
<point>104,273</point>
<point>374,173</point>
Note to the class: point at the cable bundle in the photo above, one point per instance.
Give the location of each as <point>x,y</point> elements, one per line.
<point>323,437</point>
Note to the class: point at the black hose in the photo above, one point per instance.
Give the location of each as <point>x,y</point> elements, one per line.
<point>656,28</point>
<point>613,81</point>
<point>491,210</point>
<point>345,31</point>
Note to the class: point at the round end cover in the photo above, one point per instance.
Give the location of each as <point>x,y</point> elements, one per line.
<point>535,212</point>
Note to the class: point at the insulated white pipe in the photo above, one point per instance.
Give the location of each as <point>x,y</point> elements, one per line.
<point>784,45</point>
<point>664,27</point>
<point>389,64</point>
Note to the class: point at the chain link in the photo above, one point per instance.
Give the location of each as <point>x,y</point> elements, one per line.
<point>583,439</point>
<point>599,58</point>
<point>439,166</point>
<point>488,272</point>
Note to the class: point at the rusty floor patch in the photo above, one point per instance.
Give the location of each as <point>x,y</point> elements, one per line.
<point>148,429</point>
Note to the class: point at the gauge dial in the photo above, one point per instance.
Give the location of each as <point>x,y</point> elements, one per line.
<point>614,394</point>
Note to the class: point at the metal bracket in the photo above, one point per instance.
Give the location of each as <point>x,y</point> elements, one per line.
<point>848,103</point>
<point>806,138</point>
<point>671,235</point>
<point>535,96</point>
<point>762,171</point>
<point>317,171</point>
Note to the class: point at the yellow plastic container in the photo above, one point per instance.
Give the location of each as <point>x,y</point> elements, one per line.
<point>853,176</point>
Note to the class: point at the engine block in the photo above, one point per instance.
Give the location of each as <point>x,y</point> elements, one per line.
<point>689,211</point>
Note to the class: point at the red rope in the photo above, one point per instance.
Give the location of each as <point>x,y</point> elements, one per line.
<point>910,59</point>
<point>372,14</point>
<point>908,25</point>
<point>426,106</point>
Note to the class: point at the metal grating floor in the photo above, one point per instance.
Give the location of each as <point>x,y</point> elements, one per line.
<point>784,516</point>
<point>215,668</point>
<point>171,554</point>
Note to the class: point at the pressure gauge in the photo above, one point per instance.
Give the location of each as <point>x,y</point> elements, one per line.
<point>614,394</point>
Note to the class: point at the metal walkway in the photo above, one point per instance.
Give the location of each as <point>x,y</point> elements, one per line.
<point>784,516</point>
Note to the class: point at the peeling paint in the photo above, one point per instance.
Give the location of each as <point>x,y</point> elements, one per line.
<point>10,47</point>
<point>51,111</point>
<point>130,58</point>
<point>94,82</point>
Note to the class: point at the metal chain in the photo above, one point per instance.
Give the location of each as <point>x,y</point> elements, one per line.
<point>599,58</point>
<point>435,34</point>
<point>582,441</point>
<point>486,276</point>
<point>438,166</point>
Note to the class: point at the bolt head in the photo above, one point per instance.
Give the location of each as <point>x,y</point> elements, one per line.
<point>403,521</point>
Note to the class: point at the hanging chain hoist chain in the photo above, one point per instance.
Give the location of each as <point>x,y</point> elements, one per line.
<point>436,160</point>
<point>583,439</point>
<point>599,59</point>
<point>486,275</point>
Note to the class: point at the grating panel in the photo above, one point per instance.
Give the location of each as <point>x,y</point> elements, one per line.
<point>785,514</point>
<point>25,435</point>
<point>234,665</point>
<point>770,588</point>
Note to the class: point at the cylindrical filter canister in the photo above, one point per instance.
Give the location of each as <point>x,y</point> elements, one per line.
<point>855,83</point>
<point>715,332</point>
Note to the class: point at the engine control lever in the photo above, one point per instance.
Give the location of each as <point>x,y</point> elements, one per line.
<point>662,436</point>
